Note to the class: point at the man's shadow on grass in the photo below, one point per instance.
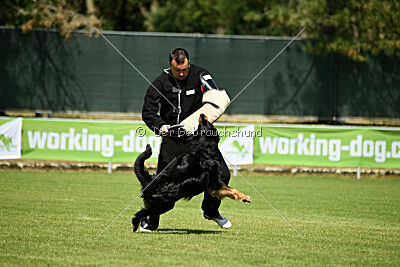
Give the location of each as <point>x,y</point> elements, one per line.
<point>188,231</point>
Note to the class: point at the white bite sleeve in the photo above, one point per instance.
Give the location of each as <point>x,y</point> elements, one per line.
<point>214,104</point>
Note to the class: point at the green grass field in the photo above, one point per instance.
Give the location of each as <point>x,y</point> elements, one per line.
<point>52,218</point>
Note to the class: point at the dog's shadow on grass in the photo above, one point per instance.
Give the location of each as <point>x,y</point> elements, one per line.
<point>188,231</point>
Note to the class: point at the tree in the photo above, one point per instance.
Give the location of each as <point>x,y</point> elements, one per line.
<point>351,27</point>
<point>61,14</point>
<point>355,28</point>
<point>125,15</point>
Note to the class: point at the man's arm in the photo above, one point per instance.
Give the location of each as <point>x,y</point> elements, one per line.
<point>151,107</point>
<point>207,82</point>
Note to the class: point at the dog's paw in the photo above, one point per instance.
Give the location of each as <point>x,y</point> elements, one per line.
<point>246,199</point>
<point>242,197</point>
<point>134,228</point>
<point>135,225</point>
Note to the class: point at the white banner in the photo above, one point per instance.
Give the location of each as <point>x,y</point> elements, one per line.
<point>238,148</point>
<point>10,138</point>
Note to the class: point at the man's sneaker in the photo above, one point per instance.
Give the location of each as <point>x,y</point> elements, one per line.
<point>221,220</point>
<point>144,227</point>
<point>149,224</point>
<point>141,229</point>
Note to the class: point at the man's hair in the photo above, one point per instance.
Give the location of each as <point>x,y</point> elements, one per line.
<point>179,54</point>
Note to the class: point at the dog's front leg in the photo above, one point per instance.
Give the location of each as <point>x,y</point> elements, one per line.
<point>139,216</point>
<point>151,210</point>
<point>226,191</point>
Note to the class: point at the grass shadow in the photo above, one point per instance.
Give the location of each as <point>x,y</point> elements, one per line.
<point>188,231</point>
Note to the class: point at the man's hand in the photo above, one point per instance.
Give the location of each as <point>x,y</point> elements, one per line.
<point>164,130</point>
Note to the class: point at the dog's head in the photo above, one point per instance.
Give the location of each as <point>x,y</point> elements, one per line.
<point>206,131</point>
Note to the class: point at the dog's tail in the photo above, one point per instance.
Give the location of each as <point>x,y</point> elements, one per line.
<point>141,173</point>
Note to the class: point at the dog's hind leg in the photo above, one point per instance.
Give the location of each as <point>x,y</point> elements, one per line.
<point>226,191</point>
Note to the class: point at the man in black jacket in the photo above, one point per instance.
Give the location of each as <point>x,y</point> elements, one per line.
<point>175,95</point>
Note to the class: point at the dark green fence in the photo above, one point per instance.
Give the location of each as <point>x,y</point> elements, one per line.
<point>42,71</point>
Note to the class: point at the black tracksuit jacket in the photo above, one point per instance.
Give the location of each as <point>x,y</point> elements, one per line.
<point>186,96</point>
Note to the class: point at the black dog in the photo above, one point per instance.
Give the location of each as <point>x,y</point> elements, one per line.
<point>189,175</point>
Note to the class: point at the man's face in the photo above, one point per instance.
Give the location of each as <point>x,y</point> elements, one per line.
<point>180,71</point>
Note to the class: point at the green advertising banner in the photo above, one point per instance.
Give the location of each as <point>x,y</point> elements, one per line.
<point>115,141</point>
<point>78,140</point>
<point>328,146</point>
